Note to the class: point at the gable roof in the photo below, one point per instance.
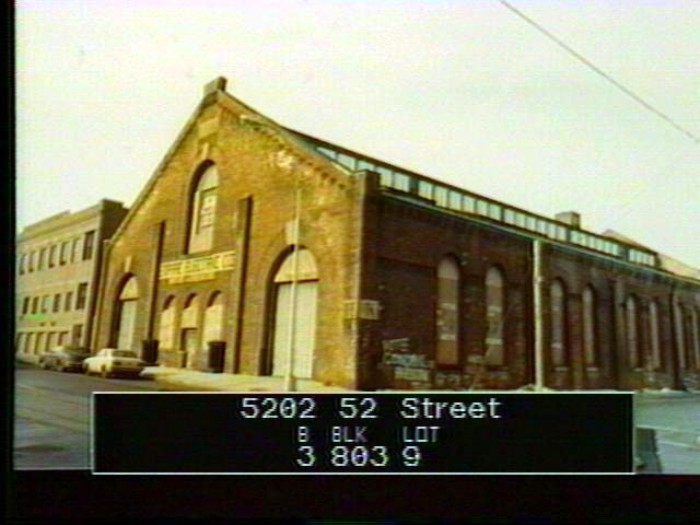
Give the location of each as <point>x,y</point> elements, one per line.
<point>442,195</point>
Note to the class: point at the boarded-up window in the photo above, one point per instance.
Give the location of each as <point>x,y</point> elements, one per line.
<point>203,211</point>
<point>189,312</point>
<point>447,314</point>
<point>557,298</point>
<point>589,327</point>
<point>213,320</point>
<point>495,354</point>
<point>632,332</point>
<point>655,335</point>
<point>695,328</point>
<point>166,331</point>
<point>126,308</point>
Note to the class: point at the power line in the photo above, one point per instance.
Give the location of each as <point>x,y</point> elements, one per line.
<point>578,56</point>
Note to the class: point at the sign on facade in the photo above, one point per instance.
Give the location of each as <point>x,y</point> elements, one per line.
<point>196,269</point>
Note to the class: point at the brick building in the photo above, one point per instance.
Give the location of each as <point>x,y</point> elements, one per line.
<point>400,281</point>
<point>58,266</point>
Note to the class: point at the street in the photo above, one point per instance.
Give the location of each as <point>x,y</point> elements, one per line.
<point>675,423</point>
<point>52,424</point>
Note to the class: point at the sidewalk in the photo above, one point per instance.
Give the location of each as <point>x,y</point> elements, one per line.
<point>180,379</point>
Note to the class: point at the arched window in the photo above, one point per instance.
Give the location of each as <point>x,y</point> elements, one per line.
<point>495,354</point>
<point>590,343</point>
<point>126,314</point>
<point>632,332</point>
<point>203,211</point>
<point>447,314</point>
<point>213,320</point>
<point>557,298</point>
<point>654,332</point>
<point>166,331</point>
<point>189,327</point>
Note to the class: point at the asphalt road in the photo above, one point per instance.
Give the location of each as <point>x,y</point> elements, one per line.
<point>52,409</point>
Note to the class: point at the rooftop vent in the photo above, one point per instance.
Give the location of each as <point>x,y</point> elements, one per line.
<point>569,217</point>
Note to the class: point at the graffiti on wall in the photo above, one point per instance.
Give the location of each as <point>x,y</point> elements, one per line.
<point>408,366</point>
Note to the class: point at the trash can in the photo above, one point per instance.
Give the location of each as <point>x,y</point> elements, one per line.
<point>217,350</point>
<point>149,351</point>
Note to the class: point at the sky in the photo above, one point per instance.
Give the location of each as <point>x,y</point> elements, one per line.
<point>461,91</point>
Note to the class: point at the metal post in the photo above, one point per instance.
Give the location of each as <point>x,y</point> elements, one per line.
<point>538,280</point>
<point>289,379</point>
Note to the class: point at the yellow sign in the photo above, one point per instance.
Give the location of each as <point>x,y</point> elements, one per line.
<point>196,269</point>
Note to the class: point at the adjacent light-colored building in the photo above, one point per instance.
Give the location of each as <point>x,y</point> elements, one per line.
<point>58,267</point>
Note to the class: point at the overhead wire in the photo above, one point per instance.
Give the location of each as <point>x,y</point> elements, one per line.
<point>600,72</point>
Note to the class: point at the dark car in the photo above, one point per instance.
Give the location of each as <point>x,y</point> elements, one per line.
<point>64,359</point>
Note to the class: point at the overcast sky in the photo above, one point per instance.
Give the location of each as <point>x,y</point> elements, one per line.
<point>462,91</point>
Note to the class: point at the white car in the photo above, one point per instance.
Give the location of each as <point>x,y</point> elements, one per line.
<point>110,361</point>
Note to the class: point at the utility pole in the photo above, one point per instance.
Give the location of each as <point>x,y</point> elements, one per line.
<point>289,378</point>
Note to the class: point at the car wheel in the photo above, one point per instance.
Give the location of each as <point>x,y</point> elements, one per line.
<point>60,367</point>
<point>44,365</point>
<point>105,373</point>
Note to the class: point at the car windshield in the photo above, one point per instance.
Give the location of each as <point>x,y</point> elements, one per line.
<point>123,353</point>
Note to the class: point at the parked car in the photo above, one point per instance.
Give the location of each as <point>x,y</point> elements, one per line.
<point>64,358</point>
<point>111,361</point>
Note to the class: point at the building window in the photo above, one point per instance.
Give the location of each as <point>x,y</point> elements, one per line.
<point>39,342</point>
<point>81,297</point>
<point>25,305</point>
<point>203,211</point>
<point>68,302</point>
<point>495,354</point>
<point>74,250</point>
<point>447,313</point>
<point>45,304</point>
<point>35,305</point>
<point>57,302</point>
<point>78,334</point>
<point>31,261</point>
<point>52,256</point>
<point>558,346</point>
<point>680,334</point>
<point>22,263</point>
<point>42,259</point>
<point>63,258</point>
<point>88,245</point>
<point>590,346</point>
<point>655,334</point>
<point>632,332</point>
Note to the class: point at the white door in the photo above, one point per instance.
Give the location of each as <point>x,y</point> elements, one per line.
<point>304,331</point>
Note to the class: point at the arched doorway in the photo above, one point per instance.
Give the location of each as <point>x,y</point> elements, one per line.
<point>126,314</point>
<point>302,319</point>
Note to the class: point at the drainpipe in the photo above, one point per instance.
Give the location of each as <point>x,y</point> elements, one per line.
<point>537,282</point>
